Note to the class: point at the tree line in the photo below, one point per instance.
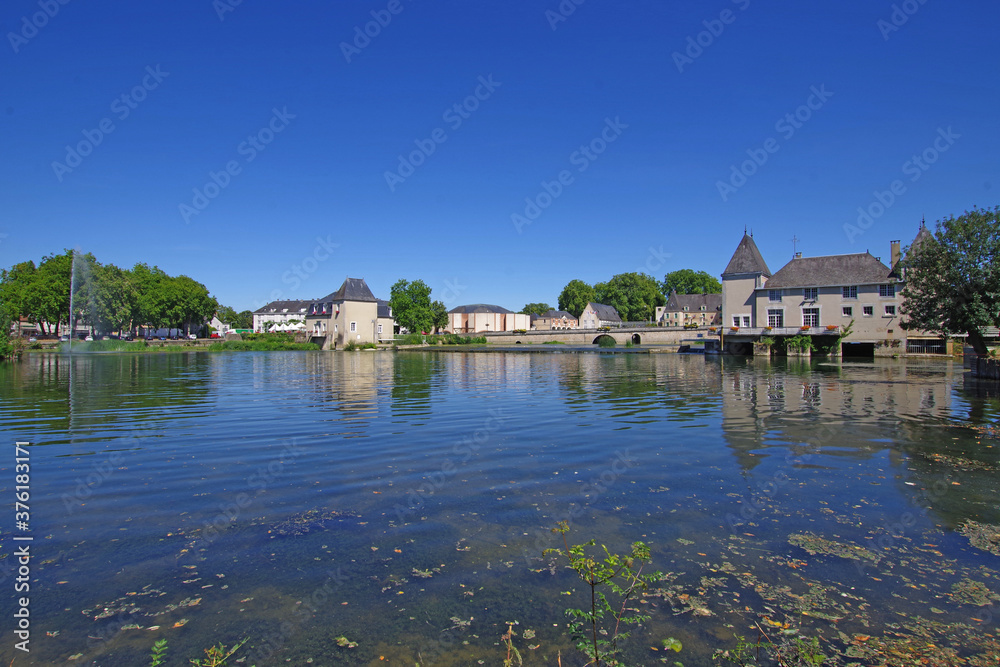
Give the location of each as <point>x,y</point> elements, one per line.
<point>634,295</point>
<point>104,297</point>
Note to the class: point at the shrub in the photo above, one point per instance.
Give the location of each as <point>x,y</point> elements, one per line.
<point>801,342</point>
<point>606,341</point>
<point>410,339</point>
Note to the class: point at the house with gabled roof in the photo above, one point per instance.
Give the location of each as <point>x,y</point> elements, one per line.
<point>554,319</point>
<point>597,315</point>
<point>818,296</point>
<point>349,314</point>
<point>690,309</point>
<point>283,315</point>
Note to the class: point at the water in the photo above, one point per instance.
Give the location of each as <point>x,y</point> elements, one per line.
<point>403,501</point>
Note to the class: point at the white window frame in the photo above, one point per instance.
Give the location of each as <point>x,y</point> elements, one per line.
<point>884,291</point>
<point>886,310</point>
<point>817,314</point>
<point>780,312</point>
<point>847,311</point>
<point>354,327</point>
<point>867,306</point>
<point>741,320</point>
<point>810,293</point>
<point>774,296</point>
<point>380,330</point>
<point>849,292</point>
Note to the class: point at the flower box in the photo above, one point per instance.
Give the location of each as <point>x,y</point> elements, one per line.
<point>768,328</point>
<point>804,329</point>
<point>734,328</point>
<point>831,327</point>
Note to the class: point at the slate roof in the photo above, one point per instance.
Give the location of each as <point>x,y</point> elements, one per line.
<point>481,308</point>
<point>353,289</point>
<point>293,306</point>
<point>556,314</point>
<point>747,259</point>
<point>694,302</point>
<point>605,313</point>
<point>857,269</point>
<point>383,308</point>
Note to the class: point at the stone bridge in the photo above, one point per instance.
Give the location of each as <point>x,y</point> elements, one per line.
<point>669,336</point>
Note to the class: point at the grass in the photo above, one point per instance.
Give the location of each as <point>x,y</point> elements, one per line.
<point>606,341</point>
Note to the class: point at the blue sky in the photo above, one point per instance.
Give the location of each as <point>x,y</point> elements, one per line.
<point>269,150</point>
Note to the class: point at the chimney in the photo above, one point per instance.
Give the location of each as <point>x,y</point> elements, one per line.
<point>798,255</point>
<point>894,254</point>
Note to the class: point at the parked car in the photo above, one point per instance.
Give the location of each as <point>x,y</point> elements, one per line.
<point>33,339</point>
<point>192,337</point>
<point>64,338</point>
<point>89,338</point>
<point>214,335</point>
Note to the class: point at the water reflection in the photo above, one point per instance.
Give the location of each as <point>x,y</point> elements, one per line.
<point>820,495</point>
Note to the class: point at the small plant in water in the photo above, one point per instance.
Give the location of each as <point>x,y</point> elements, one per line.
<point>600,628</point>
<point>158,652</point>
<point>217,655</point>
<point>513,655</point>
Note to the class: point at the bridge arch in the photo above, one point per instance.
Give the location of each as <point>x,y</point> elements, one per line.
<point>597,341</point>
<point>636,339</point>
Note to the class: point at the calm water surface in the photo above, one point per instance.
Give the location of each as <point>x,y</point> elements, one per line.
<point>402,501</point>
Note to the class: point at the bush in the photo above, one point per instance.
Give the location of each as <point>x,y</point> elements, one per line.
<point>606,341</point>
<point>259,346</point>
<point>800,342</point>
<point>276,337</point>
<point>410,339</point>
<point>351,345</point>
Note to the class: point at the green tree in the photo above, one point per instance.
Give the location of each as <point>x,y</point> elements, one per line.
<point>18,293</point>
<point>688,281</point>
<point>440,314</point>
<point>52,285</point>
<point>114,298</point>
<point>151,298</point>
<point>237,320</point>
<point>634,295</point>
<point>411,305</point>
<point>6,347</point>
<point>953,277</point>
<point>538,308</point>
<point>575,297</point>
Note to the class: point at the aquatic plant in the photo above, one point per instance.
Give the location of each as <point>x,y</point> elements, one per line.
<point>599,629</point>
<point>217,655</point>
<point>512,653</point>
<point>158,652</point>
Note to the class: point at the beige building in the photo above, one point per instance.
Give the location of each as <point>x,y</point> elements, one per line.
<point>597,315</point>
<point>818,296</point>
<point>690,309</point>
<point>349,314</point>
<point>554,319</point>
<point>484,317</point>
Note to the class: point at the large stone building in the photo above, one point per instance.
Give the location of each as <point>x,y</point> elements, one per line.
<point>690,309</point>
<point>816,296</point>
<point>554,319</point>
<point>349,314</point>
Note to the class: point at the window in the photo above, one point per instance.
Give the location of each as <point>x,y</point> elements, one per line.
<point>746,320</point>
<point>736,320</point>
<point>380,329</point>
<point>848,311</point>
<point>774,295</point>
<point>887,290</point>
<point>810,293</point>
<point>850,292</point>
<point>775,317</point>
<point>867,311</point>
<point>810,317</point>
<point>890,310</point>
<point>354,327</point>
